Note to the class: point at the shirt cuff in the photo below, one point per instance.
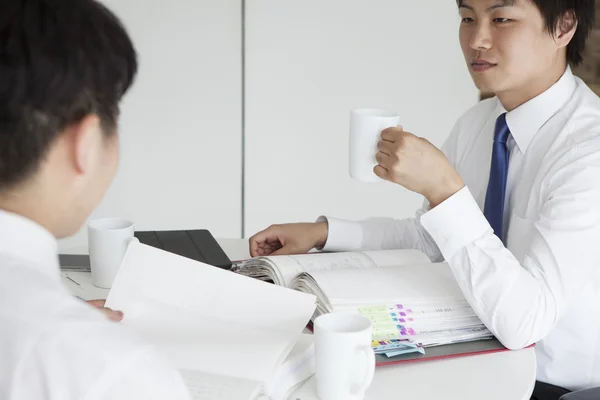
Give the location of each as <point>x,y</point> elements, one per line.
<point>456,222</point>
<point>342,235</point>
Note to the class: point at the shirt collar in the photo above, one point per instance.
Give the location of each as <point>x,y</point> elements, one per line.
<point>527,119</point>
<point>28,241</point>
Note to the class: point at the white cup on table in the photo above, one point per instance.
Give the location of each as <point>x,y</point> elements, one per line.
<point>108,239</point>
<point>344,357</point>
<point>366,126</point>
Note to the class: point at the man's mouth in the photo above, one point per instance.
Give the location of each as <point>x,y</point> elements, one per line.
<point>481,65</point>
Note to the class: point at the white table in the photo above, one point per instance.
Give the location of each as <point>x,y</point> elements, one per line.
<point>508,375</point>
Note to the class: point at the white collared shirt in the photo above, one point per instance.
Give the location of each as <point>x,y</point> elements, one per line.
<point>543,286</point>
<point>56,347</point>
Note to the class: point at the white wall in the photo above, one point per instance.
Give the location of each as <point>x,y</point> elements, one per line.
<point>308,63</point>
<point>181,122</point>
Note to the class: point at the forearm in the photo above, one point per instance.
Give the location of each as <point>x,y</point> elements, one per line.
<point>380,234</point>
<point>516,304</point>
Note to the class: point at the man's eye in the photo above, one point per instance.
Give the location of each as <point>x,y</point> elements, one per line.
<point>467,20</point>
<point>501,20</point>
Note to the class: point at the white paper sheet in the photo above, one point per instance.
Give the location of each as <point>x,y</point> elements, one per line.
<point>205,318</point>
<point>414,284</point>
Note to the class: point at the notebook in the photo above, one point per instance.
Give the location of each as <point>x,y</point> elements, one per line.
<point>227,333</point>
<point>416,307</point>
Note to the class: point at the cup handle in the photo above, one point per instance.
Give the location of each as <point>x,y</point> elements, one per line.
<point>370,369</point>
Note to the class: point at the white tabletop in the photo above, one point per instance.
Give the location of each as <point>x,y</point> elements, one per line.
<point>499,376</point>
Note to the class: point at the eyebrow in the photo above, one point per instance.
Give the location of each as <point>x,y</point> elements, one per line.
<point>499,4</point>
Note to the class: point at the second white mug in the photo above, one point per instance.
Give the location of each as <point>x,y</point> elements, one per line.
<point>344,357</point>
<point>108,239</point>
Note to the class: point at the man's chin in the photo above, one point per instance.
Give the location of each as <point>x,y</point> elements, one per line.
<point>485,86</point>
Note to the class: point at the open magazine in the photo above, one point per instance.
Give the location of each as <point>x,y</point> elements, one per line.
<point>408,298</point>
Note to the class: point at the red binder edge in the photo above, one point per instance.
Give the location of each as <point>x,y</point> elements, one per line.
<point>446,356</point>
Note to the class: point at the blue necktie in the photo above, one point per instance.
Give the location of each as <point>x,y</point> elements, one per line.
<point>496,190</point>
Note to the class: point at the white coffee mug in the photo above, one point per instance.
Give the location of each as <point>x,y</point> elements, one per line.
<point>108,239</point>
<point>365,131</point>
<point>344,357</point>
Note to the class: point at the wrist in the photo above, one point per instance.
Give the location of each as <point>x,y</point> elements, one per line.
<point>321,230</point>
<point>445,191</point>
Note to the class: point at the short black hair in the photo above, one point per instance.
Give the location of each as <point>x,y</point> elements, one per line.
<point>60,60</point>
<point>553,11</point>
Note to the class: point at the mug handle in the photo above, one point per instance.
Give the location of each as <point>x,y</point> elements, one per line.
<point>370,369</point>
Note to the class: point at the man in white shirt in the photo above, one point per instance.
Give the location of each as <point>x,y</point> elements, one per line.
<point>513,199</point>
<point>64,67</point>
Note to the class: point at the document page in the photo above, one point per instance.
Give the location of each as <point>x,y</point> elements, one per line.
<point>205,318</point>
<point>415,284</point>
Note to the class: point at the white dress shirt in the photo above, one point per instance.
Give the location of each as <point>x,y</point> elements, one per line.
<point>543,286</point>
<point>54,346</point>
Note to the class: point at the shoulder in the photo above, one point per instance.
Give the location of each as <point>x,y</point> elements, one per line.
<point>573,158</point>
<point>582,113</point>
<point>579,124</point>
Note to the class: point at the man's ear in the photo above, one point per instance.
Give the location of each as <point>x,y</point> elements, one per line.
<point>85,137</point>
<point>565,29</point>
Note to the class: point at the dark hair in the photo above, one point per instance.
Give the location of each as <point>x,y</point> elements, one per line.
<point>60,60</point>
<point>553,11</point>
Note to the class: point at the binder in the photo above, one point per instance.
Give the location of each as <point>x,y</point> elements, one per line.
<point>463,349</point>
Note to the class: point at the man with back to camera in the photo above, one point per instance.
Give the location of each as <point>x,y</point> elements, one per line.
<point>64,67</point>
<point>513,200</point>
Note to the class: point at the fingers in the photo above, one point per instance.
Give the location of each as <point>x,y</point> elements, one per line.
<point>256,243</point>
<point>385,147</point>
<point>382,159</point>
<point>394,134</point>
<point>265,242</point>
<point>268,247</point>
<point>385,153</point>
<point>381,172</point>
<point>110,313</point>
<point>391,134</point>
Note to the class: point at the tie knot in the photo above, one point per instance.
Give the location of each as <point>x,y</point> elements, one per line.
<point>501,132</point>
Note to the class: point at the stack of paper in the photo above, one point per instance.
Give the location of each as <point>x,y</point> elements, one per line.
<point>425,325</point>
<point>408,298</point>
<point>420,304</point>
<point>229,334</point>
